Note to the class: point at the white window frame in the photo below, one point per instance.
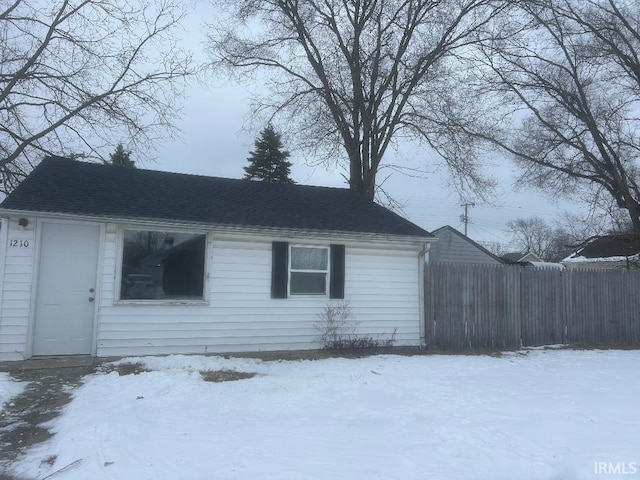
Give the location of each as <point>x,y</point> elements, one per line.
<point>327,271</point>
<point>167,301</point>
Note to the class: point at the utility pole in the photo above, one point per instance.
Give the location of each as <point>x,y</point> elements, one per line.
<point>465,216</point>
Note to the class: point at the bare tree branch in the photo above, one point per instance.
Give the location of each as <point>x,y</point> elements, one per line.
<point>355,75</point>
<point>78,76</point>
<point>571,67</point>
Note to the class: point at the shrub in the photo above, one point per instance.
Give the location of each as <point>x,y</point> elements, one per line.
<point>338,331</point>
<point>353,343</point>
<point>334,324</point>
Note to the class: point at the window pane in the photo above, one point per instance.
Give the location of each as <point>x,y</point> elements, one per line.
<point>308,283</point>
<point>304,258</point>
<point>162,265</point>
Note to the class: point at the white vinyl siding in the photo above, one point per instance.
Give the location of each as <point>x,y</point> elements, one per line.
<point>16,285</point>
<point>381,285</point>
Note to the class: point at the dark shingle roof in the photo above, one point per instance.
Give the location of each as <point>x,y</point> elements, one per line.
<point>512,257</point>
<point>623,245</point>
<point>516,257</point>
<point>67,186</point>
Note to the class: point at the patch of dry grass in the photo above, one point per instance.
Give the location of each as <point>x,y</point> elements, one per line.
<point>224,375</point>
<point>126,368</point>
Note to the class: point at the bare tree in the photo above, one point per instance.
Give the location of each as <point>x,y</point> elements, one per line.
<point>554,241</point>
<point>531,235</point>
<point>77,75</point>
<point>567,75</point>
<point>551,243</point>
<point>350,77</point>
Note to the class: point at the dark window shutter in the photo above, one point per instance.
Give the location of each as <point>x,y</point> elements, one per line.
<point>336,284</point>
<point>279,269</point>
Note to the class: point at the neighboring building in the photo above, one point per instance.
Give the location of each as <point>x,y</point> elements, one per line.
<point>455,247</point>
<point>520,257</point>
<point>607,252</point>
<point>98,260</point>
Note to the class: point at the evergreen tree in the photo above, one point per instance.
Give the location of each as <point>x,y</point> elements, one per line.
<point>121,158</point>
<point>268,162</point>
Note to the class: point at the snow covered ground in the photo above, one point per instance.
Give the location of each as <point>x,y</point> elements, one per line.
<point>9,388</point>
<point>542,414</point>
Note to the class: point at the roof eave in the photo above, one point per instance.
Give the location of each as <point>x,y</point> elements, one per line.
<point>226,228</point>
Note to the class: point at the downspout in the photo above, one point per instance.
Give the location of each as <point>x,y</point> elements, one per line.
<point>423,258</point>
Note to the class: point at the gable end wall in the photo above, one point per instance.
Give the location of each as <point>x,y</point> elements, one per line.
<point>450,248</point>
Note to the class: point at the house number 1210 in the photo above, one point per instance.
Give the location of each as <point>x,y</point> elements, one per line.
<point>19,243</point>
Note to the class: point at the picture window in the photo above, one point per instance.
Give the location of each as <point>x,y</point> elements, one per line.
<point>159,265</point>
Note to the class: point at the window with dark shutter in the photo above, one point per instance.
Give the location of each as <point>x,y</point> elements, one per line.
<point>307,270</point>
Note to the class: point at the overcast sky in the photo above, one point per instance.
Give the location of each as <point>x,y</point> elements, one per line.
<point>214,141</point>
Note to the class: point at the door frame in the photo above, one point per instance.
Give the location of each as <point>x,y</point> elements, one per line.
<point>36,273</point>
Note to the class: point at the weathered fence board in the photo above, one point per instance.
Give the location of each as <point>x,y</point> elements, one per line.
<point>487,306</point>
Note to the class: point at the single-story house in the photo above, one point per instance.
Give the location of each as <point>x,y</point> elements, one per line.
<point>529,260</point>
<point>520,257</point>
<point>608,252</point>
<point>102,260</point>
<point>455,247</point>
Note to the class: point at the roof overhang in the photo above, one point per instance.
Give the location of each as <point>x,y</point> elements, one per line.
<point>244,230</point>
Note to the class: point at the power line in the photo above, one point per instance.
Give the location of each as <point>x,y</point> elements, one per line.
<point>488,232</point>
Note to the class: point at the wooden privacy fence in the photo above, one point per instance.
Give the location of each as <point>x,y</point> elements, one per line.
<point>512,306</point>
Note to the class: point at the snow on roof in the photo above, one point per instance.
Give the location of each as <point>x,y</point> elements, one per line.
<point>557,266</point>
<point>581,259</point>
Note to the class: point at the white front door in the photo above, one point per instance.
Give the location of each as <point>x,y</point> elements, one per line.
<point>66,289</point>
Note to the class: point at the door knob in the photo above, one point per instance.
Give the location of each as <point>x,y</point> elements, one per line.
<point>91,290</point>
<point>91,299</point>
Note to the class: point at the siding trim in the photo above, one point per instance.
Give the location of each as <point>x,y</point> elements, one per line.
<point>35,271</point>
<point>423,257</point>
<point>97,295</point>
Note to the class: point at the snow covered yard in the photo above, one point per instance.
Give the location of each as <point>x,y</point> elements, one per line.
<point>9,388</point>
<point>542,414</point>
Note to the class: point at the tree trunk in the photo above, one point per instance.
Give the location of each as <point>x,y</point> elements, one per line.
<point>362,179</point>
